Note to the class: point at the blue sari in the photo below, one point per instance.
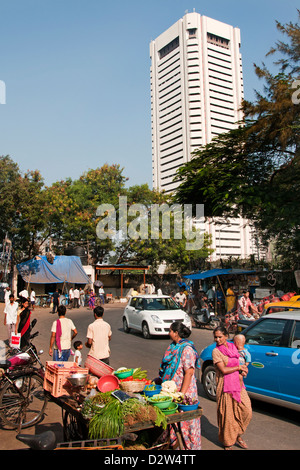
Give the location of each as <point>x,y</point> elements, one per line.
<point>171,359</point>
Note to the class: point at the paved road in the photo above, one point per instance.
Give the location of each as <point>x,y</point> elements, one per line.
<point>272,428</point>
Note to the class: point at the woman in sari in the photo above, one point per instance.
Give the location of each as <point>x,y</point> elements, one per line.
<point>234,410</point>
<point>92,300</point>
<point>23,323</point>
<point>178,364</point>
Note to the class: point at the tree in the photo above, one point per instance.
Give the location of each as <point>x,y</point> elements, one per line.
<point>254,170</point>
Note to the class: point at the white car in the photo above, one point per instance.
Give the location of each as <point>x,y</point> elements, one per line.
<point>153,315</point>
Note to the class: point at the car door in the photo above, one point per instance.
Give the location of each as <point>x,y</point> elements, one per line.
<point>289,366</point>
<point>264,342</point>
<point>130,310</point>
<point>136,314</point>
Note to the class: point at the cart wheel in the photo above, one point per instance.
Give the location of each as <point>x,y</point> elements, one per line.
<point>73,429</point>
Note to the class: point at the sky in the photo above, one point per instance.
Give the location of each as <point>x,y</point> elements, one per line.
<point>77,77</point>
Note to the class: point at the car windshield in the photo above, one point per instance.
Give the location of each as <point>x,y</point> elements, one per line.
<point>162,303</point>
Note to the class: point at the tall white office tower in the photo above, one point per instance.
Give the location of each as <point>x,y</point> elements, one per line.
<point>196,94</point>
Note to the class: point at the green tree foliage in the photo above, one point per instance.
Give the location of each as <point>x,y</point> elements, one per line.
<point>254,170</point>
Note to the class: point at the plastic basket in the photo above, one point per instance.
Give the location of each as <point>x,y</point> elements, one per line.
<point>56,375</point>
<point>97,367</point>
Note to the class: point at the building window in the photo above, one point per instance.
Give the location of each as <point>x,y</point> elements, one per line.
<point>192,33</point>
<point>169,48</point>
<point>218,41</point>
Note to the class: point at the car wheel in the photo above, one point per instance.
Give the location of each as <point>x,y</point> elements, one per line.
<point>209,382</point>
<point>125,326</point>
<point>145,330</point>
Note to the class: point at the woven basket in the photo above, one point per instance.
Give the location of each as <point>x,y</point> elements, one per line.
<point>132,386</point>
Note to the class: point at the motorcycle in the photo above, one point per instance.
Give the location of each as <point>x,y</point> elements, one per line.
<point>205,317</point>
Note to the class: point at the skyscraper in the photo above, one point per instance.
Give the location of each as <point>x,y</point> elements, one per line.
<point>196,94</point>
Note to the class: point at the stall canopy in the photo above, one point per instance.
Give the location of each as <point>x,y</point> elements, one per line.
<point>216,273</point>
<point>63,269</point>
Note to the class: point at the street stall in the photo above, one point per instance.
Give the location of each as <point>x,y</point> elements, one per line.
<point>120,409</point>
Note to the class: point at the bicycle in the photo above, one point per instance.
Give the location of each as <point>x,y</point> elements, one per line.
<point>22,396</point>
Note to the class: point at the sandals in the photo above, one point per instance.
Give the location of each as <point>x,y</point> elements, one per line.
<point>240,442</point>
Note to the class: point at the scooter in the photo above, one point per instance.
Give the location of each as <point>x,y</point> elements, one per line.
<point>205,317</point>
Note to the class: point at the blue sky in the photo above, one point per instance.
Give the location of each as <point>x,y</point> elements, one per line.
<point>77,76</point>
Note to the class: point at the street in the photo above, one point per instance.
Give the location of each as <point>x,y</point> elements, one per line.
<point>271,428</point>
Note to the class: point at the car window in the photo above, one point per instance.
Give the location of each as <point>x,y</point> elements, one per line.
<point>139,303</point>
<point>163,303</point>
<point>267,332</point>
<point>133,301</point>
<point>295,342</point>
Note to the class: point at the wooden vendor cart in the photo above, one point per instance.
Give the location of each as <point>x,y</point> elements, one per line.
<point>75,425</point>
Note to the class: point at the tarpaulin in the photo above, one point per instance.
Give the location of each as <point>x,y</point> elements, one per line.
<point>63,269</point>
<point>216,272</point>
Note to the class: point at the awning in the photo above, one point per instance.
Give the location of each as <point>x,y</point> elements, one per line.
<point>216,273</point>
<point>63,269</point>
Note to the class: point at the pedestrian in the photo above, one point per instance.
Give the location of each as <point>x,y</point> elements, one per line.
<point>230,300</point>
<point>81,296</point>
<point>101,295</point>
<point>76,297</point>
<point>234,410</point>
<point>32,298</point>
<point>23,323</point>
<point>55,300</point>
<point>92,300</point>
<point>10,316</point>
<point>63,331</point>
<point>71,297</point>
<point>98,337</point>
<point>23,294</point>
<point>78,356</point>
<point>7,294</point>
<point>179,364</point>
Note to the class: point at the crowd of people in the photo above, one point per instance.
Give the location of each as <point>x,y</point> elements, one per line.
<point>179,362</point>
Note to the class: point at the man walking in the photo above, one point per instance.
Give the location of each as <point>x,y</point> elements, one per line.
<point>10,316</point>
<point>98,337</point>
<point>63,332</point>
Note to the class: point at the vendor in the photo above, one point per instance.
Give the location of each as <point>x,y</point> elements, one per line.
<point>178,364</point>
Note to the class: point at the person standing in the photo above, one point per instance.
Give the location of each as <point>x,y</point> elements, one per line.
<point>102,295</point>
<point>230,300</point>
<point>234,411</point>
<point>23,323</point>
<point>63,331</point>
<point>178,364</point>
<point>32,298</point>
<point>81,297</point>
<point>76,297</point>
<point>98,337</point>
<point>55,300</point>
<point>10,316</point>
<point>24,294</point>
<point>71,298</point>
<point>7,295</point>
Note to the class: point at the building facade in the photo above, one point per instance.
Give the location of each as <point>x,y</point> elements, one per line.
<point>196,92</point>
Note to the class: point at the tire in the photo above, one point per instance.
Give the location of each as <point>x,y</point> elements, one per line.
<point>125,326</point>
<point>209,382</point>
<point>11,402</point>
<point>145,330</point>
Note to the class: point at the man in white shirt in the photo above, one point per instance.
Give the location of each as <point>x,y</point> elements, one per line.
<point>181,299</point>
<point>7,295</point>
<point>32,298</point>
<point>24,294</point>
<point>76,298</point>
<point>71,297</point>
<point>10,315</point>
<point>63,331</point>
<point>98,337</point>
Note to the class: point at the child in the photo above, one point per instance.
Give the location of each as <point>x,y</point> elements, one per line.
<point>77,356</point>
<point>245,356</point>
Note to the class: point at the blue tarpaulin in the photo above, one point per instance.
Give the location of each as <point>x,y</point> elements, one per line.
<point>216,272</point>
<point>63,269</point>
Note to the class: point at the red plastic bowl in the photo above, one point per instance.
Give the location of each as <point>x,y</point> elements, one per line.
<point>108,383</point>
